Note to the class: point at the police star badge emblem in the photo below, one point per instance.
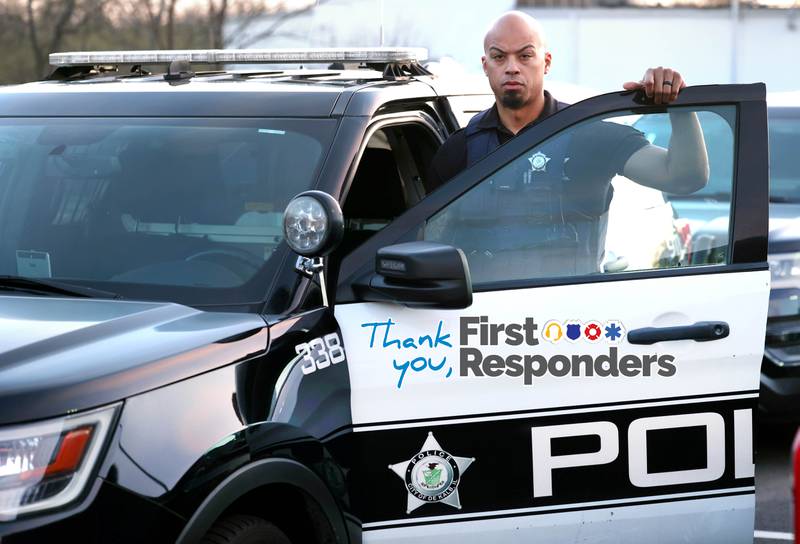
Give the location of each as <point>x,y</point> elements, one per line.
<point>432,475</point>
<point>538,161</point>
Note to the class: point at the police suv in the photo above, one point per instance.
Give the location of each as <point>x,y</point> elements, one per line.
<point>232,310</point>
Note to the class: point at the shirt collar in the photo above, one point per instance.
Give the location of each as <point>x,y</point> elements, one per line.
<point>492,117</point>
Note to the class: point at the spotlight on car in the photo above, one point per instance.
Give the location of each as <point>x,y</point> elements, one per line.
<point>313,224</point>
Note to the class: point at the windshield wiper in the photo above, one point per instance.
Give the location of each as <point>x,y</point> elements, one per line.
<point>37,285</point>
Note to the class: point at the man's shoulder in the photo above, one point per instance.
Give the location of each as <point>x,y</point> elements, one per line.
<point>449,160</point>
<point>452,153</point>
<point>456,139</point>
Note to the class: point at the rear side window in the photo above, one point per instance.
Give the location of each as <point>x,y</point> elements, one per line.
<point>784,160</point>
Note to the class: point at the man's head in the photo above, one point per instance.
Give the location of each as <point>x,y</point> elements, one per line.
<point>515,59</point>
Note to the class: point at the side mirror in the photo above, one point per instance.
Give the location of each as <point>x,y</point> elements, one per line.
<point>421,275</point>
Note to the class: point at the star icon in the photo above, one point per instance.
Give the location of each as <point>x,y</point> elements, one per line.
<point>432,475</point>
<point>614,331</point>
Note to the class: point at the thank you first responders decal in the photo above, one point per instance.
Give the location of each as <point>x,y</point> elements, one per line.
<point>469,350</point>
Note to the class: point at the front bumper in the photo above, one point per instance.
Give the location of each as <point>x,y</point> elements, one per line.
<point>780,369</point>
<point>113,514</point>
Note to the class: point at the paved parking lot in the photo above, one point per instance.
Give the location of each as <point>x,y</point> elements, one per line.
<point>773,482</point>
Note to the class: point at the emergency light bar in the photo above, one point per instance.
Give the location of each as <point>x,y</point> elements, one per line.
<point>245,56</point>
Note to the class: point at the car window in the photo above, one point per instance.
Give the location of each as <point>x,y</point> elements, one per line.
<point>784,161</point>
<point>564,208</point>
<point>192,203</point>
<point>388,180</point>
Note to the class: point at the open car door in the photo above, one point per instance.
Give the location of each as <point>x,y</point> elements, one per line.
<point>604,402</point>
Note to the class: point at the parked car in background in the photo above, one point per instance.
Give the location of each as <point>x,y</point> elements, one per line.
<point>796,485</point>
<point>706,213</point>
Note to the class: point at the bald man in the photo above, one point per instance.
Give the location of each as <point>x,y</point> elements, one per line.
<point>515,61</point>
<point>545,214</point>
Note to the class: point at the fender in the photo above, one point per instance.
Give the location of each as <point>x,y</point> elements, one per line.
<point>258,474</point>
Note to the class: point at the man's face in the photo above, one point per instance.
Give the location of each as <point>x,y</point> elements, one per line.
<point>515,63</point>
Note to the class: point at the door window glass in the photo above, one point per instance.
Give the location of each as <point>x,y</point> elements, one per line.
<point>608,195</point>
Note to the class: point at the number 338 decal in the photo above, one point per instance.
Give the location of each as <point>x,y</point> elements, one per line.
<point>320,353</point>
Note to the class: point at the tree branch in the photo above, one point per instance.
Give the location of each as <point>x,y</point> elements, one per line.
<point>61,24</point>
<point>278,22</point>
<point>37,48</point>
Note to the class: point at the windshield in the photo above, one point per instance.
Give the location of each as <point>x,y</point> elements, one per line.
<point>188,210</point>
<point>784,160</point>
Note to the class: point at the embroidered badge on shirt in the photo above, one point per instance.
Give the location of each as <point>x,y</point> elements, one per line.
<point>539,161</point>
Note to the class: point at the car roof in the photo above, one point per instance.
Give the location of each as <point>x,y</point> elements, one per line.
<point>267,93</point>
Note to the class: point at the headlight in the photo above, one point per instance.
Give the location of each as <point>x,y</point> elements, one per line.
<point>47,464</point>
<point>784,269</point>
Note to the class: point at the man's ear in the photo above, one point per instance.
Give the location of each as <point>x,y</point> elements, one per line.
<point>548,58</point>
<point>483,64</point>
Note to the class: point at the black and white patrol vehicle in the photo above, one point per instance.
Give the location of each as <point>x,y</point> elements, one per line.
<point>234,308</point>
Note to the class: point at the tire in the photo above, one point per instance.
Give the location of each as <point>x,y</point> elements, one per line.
<point>243,529</point>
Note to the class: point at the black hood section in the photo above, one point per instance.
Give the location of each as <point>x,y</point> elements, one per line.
<point>60,355</point>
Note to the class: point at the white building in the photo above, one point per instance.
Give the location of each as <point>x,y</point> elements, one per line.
<point>594,47</point>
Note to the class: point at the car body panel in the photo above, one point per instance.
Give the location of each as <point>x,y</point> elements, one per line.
<point>63,355</point>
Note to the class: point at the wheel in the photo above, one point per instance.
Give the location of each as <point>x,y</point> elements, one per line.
<point>243,529</point>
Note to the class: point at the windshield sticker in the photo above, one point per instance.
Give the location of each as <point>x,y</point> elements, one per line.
<point>469,350</point>
<point>33,264</point>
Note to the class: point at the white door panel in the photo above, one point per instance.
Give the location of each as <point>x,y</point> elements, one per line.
<point>383,392</point>
<point>719,520</point>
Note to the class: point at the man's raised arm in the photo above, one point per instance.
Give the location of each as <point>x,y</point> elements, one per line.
<point>683,167</point>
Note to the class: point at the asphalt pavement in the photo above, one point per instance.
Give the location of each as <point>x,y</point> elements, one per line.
<point>774,524</point>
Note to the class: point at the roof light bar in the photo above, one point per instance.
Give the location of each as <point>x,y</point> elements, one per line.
<point>244,56</point>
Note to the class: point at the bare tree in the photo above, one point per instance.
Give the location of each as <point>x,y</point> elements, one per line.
<point>249,14</point>
<point>217,14</point>
<point>49,22</point>
<point>160,21</point>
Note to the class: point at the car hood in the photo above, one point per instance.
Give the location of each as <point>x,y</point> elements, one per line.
<point>784,227</point>
<point>59,355</point>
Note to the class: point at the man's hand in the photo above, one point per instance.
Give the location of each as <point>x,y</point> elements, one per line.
<point>660,84</point>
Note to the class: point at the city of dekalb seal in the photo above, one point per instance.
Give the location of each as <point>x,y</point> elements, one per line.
<point>432,475</point>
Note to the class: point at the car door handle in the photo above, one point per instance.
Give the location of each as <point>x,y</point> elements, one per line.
<point>703,331</point>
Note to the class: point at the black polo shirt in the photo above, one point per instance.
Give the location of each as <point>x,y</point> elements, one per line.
<point>451,158</point>
<point>598,151</point>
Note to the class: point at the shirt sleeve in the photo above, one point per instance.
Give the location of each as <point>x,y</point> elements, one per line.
<point>623,141</point>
